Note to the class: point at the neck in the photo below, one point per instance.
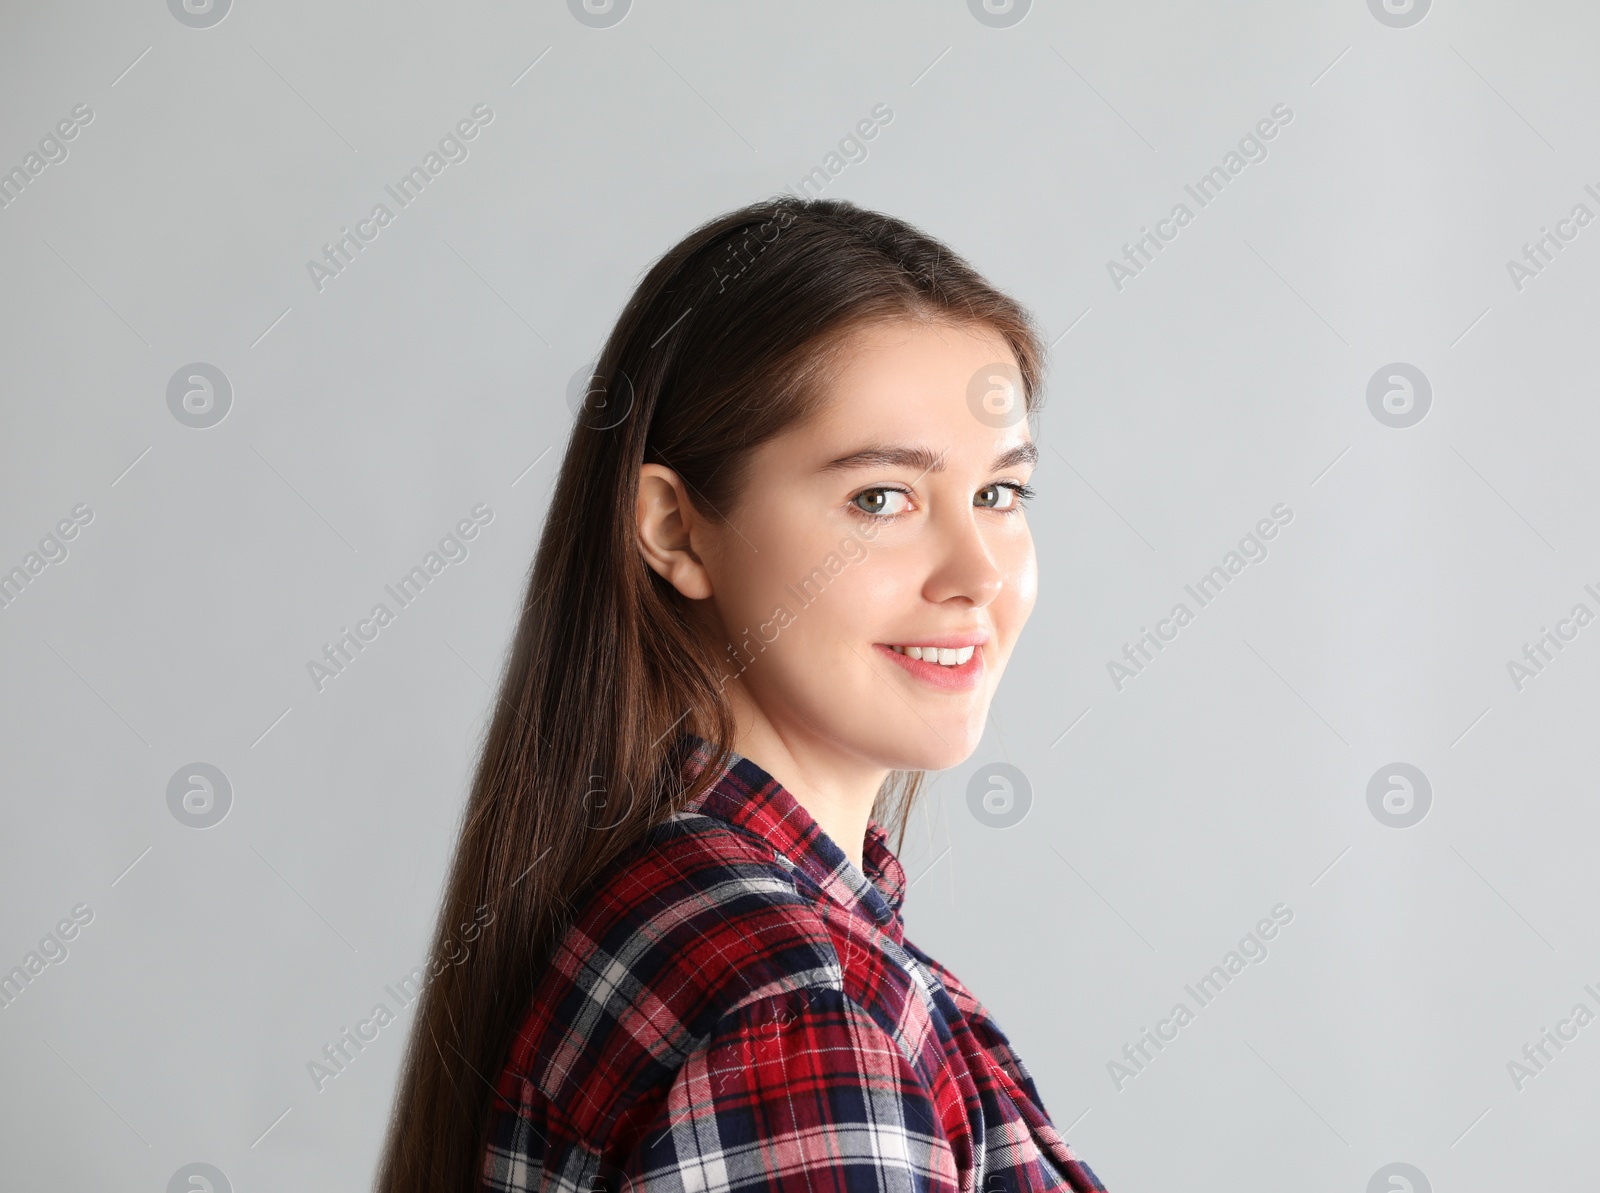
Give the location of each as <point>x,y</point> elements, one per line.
<point>837,789</point>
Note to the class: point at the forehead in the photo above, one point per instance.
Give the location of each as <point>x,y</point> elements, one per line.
<point>916,351</point>
<point>917,381</point>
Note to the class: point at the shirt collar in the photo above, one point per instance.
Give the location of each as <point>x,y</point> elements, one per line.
<point>748,798</point>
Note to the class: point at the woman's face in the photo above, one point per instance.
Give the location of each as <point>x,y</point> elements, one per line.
<point>888,524</point>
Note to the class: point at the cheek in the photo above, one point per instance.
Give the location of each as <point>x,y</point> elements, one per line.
<point>1020,566</point>
<point>788,585</point>
<point>839,605</point>
<point>754,609</point>
<point>836,601</point>
<point>887,580</point>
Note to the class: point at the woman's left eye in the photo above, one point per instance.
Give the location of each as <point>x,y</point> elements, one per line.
<point>1004,497</point>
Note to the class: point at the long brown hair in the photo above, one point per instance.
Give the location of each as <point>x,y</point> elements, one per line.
<point>727,341</point>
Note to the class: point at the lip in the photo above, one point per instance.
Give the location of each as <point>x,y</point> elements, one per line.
<point>947,641</point>
<point>946,679</point>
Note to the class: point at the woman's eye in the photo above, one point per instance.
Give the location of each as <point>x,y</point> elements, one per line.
<point>995,497</point>
<point>880,501</point>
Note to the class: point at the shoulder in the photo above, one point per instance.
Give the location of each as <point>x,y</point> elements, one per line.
<point>697,921</point>
<point>966,1002</point>
<point>977,1019</point>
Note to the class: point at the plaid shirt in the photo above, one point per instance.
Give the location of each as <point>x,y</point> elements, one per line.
<point>736,1009</point>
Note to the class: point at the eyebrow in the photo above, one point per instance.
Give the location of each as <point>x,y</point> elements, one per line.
<point>923,458</point>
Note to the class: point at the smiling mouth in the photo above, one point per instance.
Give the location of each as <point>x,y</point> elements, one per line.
<point>962,673</point>
<point>944,656</point>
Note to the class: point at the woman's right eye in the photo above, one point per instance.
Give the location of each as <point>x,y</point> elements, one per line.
<point>880,502</point>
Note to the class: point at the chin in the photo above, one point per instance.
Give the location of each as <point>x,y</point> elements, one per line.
<point>924,749</point>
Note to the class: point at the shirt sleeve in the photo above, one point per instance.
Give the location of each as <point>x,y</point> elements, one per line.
<point>797,1092</point>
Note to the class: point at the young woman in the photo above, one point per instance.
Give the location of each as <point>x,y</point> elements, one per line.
<point>783,569</point>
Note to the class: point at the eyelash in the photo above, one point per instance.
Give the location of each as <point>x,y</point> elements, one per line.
<point>1024,494</point>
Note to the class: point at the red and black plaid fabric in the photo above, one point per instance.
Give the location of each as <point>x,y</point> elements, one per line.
<point>736,1009</point>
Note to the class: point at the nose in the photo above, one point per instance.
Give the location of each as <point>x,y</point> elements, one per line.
<point>966,568</point>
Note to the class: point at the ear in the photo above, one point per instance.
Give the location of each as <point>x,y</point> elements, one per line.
<point>665,520</point>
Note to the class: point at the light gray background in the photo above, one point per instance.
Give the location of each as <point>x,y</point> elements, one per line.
<point>1167,817</point>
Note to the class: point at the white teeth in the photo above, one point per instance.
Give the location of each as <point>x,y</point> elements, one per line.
<point>945,657</point>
